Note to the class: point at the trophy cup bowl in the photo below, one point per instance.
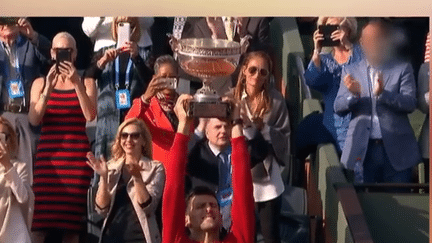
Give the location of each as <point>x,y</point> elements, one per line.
<point>208,59</point>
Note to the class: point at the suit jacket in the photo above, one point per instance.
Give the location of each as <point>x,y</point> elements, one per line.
<point>393,107</point>
<point>153,175</point>
<point>423,88</point>
<point>203,165</point>
<point>32,59</point>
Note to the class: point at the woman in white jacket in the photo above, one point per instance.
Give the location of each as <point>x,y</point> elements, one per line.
<point>16,195</point>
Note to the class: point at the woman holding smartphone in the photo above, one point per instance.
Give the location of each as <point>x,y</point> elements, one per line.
<point>16,195</point>
<point>62,103</point>
<point>323,74</point>
<point>120,71</point>
<point>130,186</point>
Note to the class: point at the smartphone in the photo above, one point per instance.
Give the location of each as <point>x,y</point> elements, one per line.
<point>327,31</point>
<point>123,33</point>
<point>171,83</point>
<point>62,55</point>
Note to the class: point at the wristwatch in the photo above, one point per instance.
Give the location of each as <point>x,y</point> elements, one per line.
<point>237,121</point>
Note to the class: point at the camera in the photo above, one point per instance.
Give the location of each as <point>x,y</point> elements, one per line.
<point>171,83</point>
<point>209,109</point>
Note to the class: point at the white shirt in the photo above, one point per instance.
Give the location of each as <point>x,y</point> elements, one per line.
<point>373,75</point>
<point>272,186</point>
<point>98,29</point>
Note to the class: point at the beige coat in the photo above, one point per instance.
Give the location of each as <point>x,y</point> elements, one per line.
<point>153,174</point>
<point>16,203</point>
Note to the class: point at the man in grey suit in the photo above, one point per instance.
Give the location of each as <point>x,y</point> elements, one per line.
<point>380,92</point>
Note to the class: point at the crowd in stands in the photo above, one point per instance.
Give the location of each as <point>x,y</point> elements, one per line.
<point>162,175</point>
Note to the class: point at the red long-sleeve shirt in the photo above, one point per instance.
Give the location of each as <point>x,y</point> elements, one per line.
<point>173,206</point>
<point>159,125</point>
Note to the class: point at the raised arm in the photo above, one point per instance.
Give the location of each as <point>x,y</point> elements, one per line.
<point>86,91</point>
<point>39,94</point>
<point>173,203</point>
<point>243,209</point>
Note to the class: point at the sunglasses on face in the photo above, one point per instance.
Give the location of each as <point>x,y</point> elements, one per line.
<point>263,72</point>
<point>133,135</point>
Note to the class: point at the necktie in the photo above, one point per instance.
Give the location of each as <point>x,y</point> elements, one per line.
<point>224,169</point>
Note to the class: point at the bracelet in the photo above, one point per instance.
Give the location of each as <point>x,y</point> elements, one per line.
<point>237,121</point>
<point>42,96</point>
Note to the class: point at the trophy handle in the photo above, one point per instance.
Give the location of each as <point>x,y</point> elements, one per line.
<point>244,43</point>
<point>174,43</point>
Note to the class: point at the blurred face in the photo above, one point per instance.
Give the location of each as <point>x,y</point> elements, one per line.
<point>218,132</point>
<point>256,73</point>
<point>203,213</point>
<point>374,44</point>
<point>63,43</point>
<point>131,140</point>
<point>9,33</point>
<point>167,97</point>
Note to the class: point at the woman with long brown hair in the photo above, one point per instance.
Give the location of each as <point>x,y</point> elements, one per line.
<point>264,110</point>
<point>130,186</point>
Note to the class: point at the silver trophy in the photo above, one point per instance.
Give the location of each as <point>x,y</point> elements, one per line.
<point>208,60</point>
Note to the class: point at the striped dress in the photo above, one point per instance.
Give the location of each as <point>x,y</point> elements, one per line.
<point>61,175</point>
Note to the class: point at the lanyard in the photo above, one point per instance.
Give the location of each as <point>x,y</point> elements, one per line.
<point>117,73</point>
<point>16,61</point>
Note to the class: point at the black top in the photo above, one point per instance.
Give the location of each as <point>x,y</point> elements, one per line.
<point>123,224</point>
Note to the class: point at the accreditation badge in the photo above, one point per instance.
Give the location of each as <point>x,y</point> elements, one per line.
<point>123,100</point>
<point>15,88</point>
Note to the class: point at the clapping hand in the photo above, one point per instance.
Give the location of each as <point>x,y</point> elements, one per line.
<point>352,85</point>
<point>379,85</point>
<point>99,166</point>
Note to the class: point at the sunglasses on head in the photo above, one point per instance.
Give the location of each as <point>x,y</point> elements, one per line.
<point>133,135</point>
<point>263,72</point>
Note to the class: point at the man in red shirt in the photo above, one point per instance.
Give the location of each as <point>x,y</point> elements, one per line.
<point>198,219</point>
<point>155,107</point>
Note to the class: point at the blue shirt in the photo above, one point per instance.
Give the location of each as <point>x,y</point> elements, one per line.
<point>326,80</point>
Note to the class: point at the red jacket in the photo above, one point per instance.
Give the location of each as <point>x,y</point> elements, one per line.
<point>160,127</point>
<point>173,203</point>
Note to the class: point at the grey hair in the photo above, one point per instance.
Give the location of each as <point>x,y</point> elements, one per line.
<point>165,59</point>
<point>350,22</point>
<point>65,35</point>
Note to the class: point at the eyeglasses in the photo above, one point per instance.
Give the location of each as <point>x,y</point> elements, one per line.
<point>263,72</point>
<point>133,135</point>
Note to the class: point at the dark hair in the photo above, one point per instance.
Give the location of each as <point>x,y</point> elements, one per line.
<point>200,191</point>
<point>165,59</point>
